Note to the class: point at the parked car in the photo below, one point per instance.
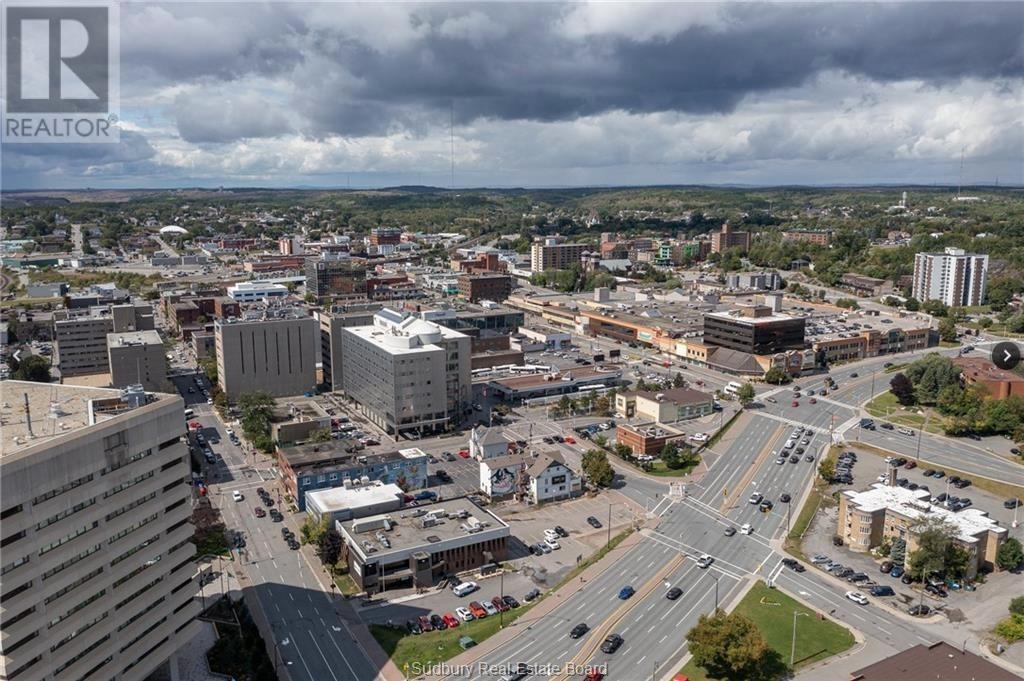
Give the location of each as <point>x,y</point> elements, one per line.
<point>920,610</point>
<point>531,595</point>
<point>819,559</point>
<point>885,567</point>
<point>413,627</point>
<point>879,591</point>
<point>478,610</point>
<point>438,622</point>
<point>593,522</point>
<point>259,512</point>
<point>785,498</point>
<point>425,623</point>
<point>464,614</point>
<point>450,620</point>
<point>500,604</point>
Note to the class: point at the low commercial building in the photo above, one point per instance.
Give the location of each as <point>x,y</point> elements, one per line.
<point>529,340</point>
<point>864,286</point>
<point>868,518</point>
<point>551,479</point>
<point>489,359</point>
<point>252,291</point>
<point>339,504</point>
<point>518,388</point>
<point>313,466</point>
<point>646,439</point>
<point>416,547</point>
<point>274,352</point>
<point>933,662</point>
<point>138,358</point>
<point>669,406</point>
<point>998,383</point>
<point>819,237</point>
<point>853,345</point>
<point>297,420</point>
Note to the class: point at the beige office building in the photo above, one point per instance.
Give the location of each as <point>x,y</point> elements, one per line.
<point>882,512</point>
<point>80,336</point>
<point>550,253</point>
<point>275,353</point>
<point>97,555</point>
<point>138,359</point>
<point>332,340</point>
<point>408,374</point>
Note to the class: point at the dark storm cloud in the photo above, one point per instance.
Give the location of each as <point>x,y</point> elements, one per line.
<point>535,73</point>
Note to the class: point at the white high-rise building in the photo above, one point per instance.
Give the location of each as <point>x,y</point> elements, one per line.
<point>407,374</point>
<point>99,577</point>
<point>954,277</point>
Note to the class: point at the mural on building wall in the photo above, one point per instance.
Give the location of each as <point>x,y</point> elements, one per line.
<point>503,481</point>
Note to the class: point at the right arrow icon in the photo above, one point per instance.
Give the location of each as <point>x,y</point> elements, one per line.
<point>1006,355</point>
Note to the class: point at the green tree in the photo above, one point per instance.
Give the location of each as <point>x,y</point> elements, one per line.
<point>1017,604</point>
<point>312,531</point>
<point>33,368</point>
<point>670,456</point>
<point>936,308</point>
<point>730,646</point>
<point>208,365</point>
<point>746,394</point>
<point>937,551</point>
<point>602,405</point>
<point>776,376</point>
<point>911,305</point>
<point>329,546</point>
<point>848,303</point>
<point>930,375</point>
<point>827,468</point>
<point>947,330</point>
<point>597,469</point>
<point>257,408</point>
<point>320,435</point>
<point>902,388</point>
<point>678,381</point>
<point>600,441</point>
<point>1009,557</point>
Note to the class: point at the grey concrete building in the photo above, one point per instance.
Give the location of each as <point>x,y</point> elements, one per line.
<point>407,374</point>
<point>332,340</point>
<point>275,352</point>
<point>138,358</point>
<point>98,572</point>
<point>80,336</point>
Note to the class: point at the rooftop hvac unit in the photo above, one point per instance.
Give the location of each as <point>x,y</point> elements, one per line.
<point>365,480</point>
<point>429,521</point>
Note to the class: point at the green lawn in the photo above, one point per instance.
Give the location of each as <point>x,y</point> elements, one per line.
<point>437,646</point>
<point>772,611</point>
<point>660,469</point>
<point>887,407</point>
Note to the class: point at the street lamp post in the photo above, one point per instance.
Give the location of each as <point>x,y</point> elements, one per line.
<point>609,542</point>
<point>501,595</point>
<point>716,591</point>
<point>920,436</point>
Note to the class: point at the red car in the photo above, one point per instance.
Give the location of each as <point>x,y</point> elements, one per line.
<point>570,440</point>
<point>499,604</point>
<point>795,403</point>
<point>260,513</point>
<point>814,401</point>
<point>425,624</point>
<point>451,620</point>
<point>464,453</point>
<point>910,464</point>
<point>594,675</point>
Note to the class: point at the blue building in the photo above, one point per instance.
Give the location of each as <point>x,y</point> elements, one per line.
<point>314,466</point>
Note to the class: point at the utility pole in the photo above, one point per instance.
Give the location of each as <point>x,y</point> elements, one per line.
<point>920,436</point>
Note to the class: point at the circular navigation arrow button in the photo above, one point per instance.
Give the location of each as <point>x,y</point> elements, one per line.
<point>1006,355</point>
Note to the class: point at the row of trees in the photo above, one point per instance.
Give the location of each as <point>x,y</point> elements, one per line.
<point>934,381</point>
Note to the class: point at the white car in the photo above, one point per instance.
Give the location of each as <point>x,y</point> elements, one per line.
<point>489,607</point>
<point>705,561</point>
<point>746,528</point>
<point>237,496</point>
<point>755,498</point>
<point>781,460</point>
<point>857,597</point>
<point>699,437</point>
<point>464,614</point>
<point>550,534</point>
<point>552,544</point>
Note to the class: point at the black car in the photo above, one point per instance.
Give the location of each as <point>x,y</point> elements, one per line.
<point>579,630</point>
<point>794,459</point>
<point>560,531</point>
<point>938,474</point>
<point>510,601</point>
<point>611,644</point>
<point>438,622</point>
<point>799,450</point>
<point>845,572</point>
<point>887,426</point>
<point>593,522</point>
<point>533,594</point>
<point>885,567</point>
<point>1012,503</point>
<point>414,627</point>
<point>854,375</point>
<point>857,577</point>
<point>809,459</point>
<point>882,591</point>
<point>766,506</point>
<point>673,593</point>
<point>961,483</point>
<point>920,610</point>
<point>293,545</point>
<point>535,550</point>
<point>784,498</point>
<point>928,472</point>
<point>285,532</point>
<point>549,441</point>
<point>937,591</point>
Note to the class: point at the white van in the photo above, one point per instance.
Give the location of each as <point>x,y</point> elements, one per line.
<point>465,588</point>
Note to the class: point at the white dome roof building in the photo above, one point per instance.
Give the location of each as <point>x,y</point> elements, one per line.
<point>172,230</point>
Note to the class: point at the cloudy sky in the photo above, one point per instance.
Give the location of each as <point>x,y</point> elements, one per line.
<point>550,94</point>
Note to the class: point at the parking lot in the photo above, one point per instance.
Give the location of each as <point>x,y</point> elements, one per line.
<point>526,571</point>
<point>867,470</point>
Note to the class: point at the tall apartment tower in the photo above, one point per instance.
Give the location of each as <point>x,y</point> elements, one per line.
<point>275,352</point>
<point>98,572</point>
<point>551,253</point>
<point>728,238</point>
<point>953,276</point>
<point>407,374</point>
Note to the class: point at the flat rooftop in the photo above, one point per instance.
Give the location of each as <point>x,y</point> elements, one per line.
<point>54,410</point>
<point>537,380</point>
<point>333,453</point>
<point>915,504</point>
<point>337,498</point>
<point>120,340</point>
<point>407,527</point>
<point>736,315</point>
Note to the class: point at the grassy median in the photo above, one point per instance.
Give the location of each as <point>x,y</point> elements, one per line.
<point>817,637</point>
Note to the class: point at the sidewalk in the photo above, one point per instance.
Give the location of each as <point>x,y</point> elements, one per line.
<point>547,605</point>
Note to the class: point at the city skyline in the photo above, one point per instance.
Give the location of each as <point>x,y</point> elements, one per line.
<point>337,95</point>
